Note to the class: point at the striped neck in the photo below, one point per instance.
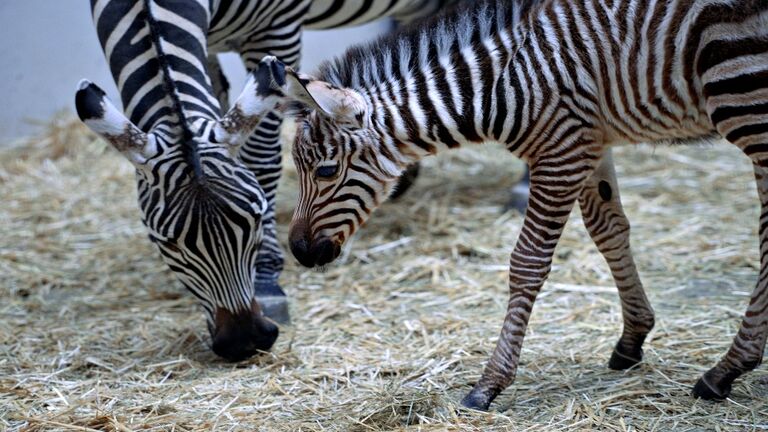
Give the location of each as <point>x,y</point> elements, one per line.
<point>157,57</point>
<point>442,84</point>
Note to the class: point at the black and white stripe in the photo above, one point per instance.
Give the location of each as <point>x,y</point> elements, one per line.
<point>207,200</point>
<point>559,82</point>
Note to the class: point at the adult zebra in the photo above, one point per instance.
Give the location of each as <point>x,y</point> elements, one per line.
<point>207,201</point>
<point>559,82</point>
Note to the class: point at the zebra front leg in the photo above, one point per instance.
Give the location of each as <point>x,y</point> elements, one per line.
<point>555,186</point>
<point>608,226</point>
<point>261,153</point>
<point>746,351</point>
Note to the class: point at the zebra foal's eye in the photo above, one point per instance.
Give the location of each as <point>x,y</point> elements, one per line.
<point>327,171</point>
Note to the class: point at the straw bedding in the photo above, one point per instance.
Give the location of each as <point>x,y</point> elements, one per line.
<point>96,335</point>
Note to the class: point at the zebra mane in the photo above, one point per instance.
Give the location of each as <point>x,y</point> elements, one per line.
<point>413,46</point>
<point>188,142</point>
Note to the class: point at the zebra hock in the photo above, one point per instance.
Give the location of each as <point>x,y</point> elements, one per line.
<point>558,82</point>
<point>210,236</point>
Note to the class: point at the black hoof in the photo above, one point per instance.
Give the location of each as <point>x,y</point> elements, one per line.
<point>476,401</point>
<point>272,299</point>
<point>623,361</point>
<point>407,179</point>
<point>709,390</point>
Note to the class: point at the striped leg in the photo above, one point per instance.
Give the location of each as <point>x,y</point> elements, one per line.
<point>268,293</point>
<point>555,185</point>
<point>262,154</point>
<point>609,228</point>
<point>738,107</point>
<point>746,351</point>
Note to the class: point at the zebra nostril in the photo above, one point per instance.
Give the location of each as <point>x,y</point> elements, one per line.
<point>300,244</point>
<point>324,251</point>
<point>300,249</point>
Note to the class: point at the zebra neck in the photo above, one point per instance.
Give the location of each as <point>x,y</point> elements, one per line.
<point>446,83</point>
<point>157,57</point>
<point>480,96</point>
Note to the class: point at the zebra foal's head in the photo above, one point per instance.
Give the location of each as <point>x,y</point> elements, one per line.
<point>201,205</point>
<point>345,171</point>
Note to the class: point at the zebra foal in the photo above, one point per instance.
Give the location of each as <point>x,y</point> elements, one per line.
<point>559,82</point>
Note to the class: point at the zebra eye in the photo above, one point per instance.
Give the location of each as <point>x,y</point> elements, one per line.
<point>170,246</point>
<point>165,244</point>
<point>327,171</point>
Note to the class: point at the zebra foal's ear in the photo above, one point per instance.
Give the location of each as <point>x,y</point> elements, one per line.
<point>341,104</point>
<point>263,91</point>
<point>101,116</point>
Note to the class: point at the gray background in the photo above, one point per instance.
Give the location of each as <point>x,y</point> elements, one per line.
<point>47,46</point>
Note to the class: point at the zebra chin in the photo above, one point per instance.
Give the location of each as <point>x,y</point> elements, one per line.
<point>238,336</point>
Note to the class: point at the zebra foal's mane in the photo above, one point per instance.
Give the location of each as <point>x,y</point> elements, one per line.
<point>398,53</point>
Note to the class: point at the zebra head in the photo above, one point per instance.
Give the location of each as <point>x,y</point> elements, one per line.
<point>202,207</point>
<point>343,173</point>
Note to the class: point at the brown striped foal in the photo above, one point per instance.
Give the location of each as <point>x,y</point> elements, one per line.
<point>559,82</point>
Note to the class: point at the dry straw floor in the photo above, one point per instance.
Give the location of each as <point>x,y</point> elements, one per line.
<point>96,335</point>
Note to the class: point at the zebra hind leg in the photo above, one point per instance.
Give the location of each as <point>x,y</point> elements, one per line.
<point>608,226</point>
<point>738,107</point>
<point>219,82</point>
<point>746,351</point>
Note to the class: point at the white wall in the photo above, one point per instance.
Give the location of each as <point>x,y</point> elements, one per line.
<point>47,46</point>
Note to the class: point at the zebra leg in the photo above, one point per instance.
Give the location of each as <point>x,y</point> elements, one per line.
<point>267,292</point>
<point>407,179</point>
<point>262,154</point>
<point>609,228</point>
<point>746,351</point>
<point>555,186</point>
<point>738,108</point>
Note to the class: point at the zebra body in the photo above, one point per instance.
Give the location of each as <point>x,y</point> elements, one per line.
<point>559,82</point>
<point>206,182</point>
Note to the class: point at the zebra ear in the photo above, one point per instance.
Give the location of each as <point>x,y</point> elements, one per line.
<point>341,104</point>
<point>263,91</point>
<point>101,116</point>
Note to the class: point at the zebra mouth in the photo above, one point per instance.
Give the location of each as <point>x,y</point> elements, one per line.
<point>322,251</point>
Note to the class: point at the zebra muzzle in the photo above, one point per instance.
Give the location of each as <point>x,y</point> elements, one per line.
<point>240,335</point>
<point>312,252</point>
